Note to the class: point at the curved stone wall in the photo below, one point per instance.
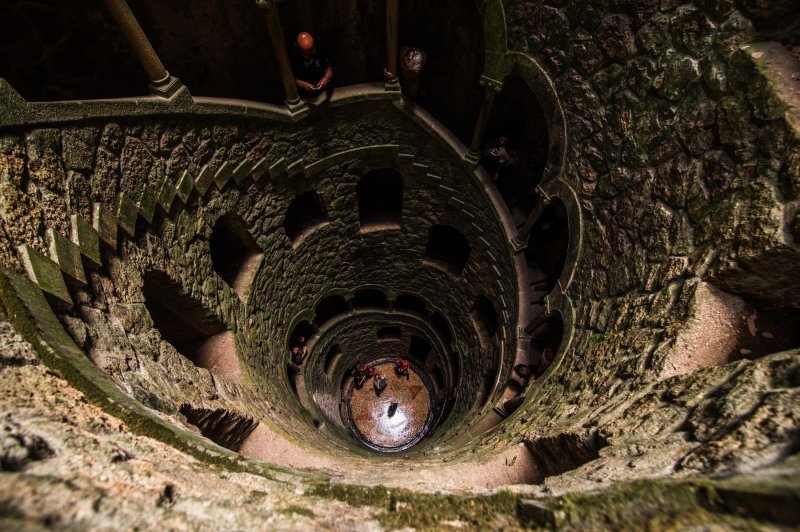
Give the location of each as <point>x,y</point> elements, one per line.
<point>673,146</point>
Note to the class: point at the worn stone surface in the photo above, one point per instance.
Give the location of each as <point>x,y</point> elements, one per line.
<point>684,155</point>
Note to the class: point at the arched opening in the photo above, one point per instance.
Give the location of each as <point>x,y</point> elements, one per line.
<point>235,255</point>
<point>410,303</point>
<point>518,115</point>
<point>66,51</point>
<point>370,297</point>
<point>389,333</point>
<point>193,330</point>
<point>304,328</point>
<point>455,363</point>
<point>442,327</point>
<point>353,35</point>
<point>304,215</point>
<point>224,427</point>
<point>451,34</point>
<point>380,200</point>
<point>438,380</point>
<point>239,62</point>
<point>485,320</point>
<point>329,308</point>
<point>419,349</point>
<point>545,341</point>
<point>547,246</point>
<point>447,249</point>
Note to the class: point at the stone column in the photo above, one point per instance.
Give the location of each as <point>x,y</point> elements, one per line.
<point>392,43</point>
<point>491,88</point>
<point>161,83</point>
<point>270,9</point>
<point>536,322</point>
<point>520,240</point>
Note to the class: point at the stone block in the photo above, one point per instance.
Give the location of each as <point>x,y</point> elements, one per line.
<point>87,239</point>
<point>67,255</point>
<point>295,168</point>
<point>185,185</point>
<point>277,168</point>
<point>105,224</point>
<point>147,204</point>
<point>242,171</point>
<point>166,194</point>
<point>126,212</point>
<point>223,174</point>
<point>204,180</point>
<point>45,273</point>
<point>259,169</point>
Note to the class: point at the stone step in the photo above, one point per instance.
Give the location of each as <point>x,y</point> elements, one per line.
<point>45,273</point>
<point>67,255</point>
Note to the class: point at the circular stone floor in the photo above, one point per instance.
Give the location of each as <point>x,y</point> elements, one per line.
<point>370,413</point>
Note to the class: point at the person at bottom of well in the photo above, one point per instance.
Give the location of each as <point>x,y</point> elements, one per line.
<point>360,375</point>
<point>379,383</point>
<point>401,367</point>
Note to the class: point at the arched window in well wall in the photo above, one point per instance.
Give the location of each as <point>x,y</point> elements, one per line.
<point>447,249</point>
<point>517,114</point>
<point>485,320</point>
<point>380,200</point>
<point>304,215</point>
<point>235,255</point>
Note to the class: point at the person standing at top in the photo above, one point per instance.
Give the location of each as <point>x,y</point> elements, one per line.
<point>311,67</point>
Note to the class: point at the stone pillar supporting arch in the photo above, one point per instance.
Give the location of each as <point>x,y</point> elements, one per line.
<point>161,83</point>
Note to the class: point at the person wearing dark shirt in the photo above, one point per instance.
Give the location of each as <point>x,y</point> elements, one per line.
<point>401,367</point>
<point>499,156</point>
<point>379,383</point>
<point>298,355</point>
<point>311,67</point>
<point>360,375</point>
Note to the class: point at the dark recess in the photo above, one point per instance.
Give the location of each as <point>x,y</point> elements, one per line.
<point>329,308</point>
<point>448,249</point>
<point>182,320</point>
<point>548,243</point>
<point>223,427</point>
<point>304,329</point>
<point>442,327</point>
<point>59,50</point>
<point>380,199</point>
<point>389,333</point>
<point>485,319</point>
<point>419,349</point>
<point>410,303</point>
<point>304,214</point>
<point>564,452</point>
<point>216,48</point>
<point>518,114</point>
<point>370,297</point>
<point>330,357</point>
<point>451,32</point>
<point>233,250</point>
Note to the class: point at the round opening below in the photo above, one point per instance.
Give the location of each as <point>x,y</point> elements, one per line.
<point>396,419</point>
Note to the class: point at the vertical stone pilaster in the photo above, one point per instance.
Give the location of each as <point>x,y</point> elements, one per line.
<point>491,88</point>
<point>275,30</point>
<point>161,83</point>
